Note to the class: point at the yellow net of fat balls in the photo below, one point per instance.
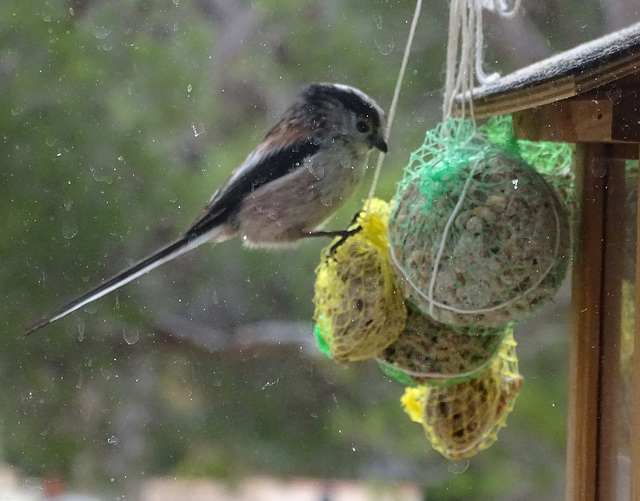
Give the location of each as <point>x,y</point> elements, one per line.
<point>463,419</point>
<point>359,308</point>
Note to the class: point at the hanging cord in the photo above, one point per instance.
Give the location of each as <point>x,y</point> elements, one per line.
<point>396,95</point>
<point>465,51</point>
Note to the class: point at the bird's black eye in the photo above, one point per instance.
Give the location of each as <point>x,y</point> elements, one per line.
<point>362,126</point>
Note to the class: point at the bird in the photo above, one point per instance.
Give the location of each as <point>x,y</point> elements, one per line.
<point>306,167</point>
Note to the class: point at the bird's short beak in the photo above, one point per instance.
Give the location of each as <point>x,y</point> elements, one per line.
<point>380,143</point>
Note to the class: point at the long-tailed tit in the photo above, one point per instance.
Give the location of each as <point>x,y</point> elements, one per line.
<point>308,164</point>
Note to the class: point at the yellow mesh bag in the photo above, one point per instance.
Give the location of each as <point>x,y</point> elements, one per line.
<point>463,419</point>
<point>359,309</point>
<point>430,352</point>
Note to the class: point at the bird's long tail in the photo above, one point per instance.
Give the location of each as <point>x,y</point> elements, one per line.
<point>171,251</point>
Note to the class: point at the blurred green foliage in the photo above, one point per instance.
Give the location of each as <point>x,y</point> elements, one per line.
<point>117,121</point>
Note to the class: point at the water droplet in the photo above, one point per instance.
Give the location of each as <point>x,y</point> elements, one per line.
<point>528,231</point>
<point>80,330</point>
<point>101,32</point>
<point>614,94</point>
<point>458,467</point>
<point>378,20</point>
<point>599,167</point>
<point>131,337</point>
<point>113,440</point>
<point>79,384</point>
<point>50,141</point>
<point>317,171</point>
<point>106,372</point>
<point>198,128</point>
<point>69,230</point>
<point>67,205</point>
<point>46,17</point>
<point>91,309</point>
<point>17,111</point>
<point>327,200</point>
<point>346,161</point>
<point>121,159</point>
<point>176,2</point>
<point>103,176</point>
<point>385,47</point>
<point>189,88</point>
<point>419,117</point>
<point>514,182</point>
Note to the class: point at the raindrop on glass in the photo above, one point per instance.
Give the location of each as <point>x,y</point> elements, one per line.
<point>189,88</point>
<point>614,94</point>
<point>69,230</point>
<point>378,20</point>
<point>131,337</point>
<point>80,330</point>
<point>385,47</point>
<point>327,200</point>
<point>317,171</point>
<point>101,32</point>
<point>198,128</point>
<point>458,467</point>
<point>113,440</point>
<point>599,167</point>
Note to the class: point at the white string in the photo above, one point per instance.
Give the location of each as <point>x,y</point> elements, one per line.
<point>396,96</point>
<point>466,41</point>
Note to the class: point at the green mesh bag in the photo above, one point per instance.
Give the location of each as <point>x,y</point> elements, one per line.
<point>478,237</point>
<point>463,419</point>
<point>552,160</point>
<point>433,353</point>
<point>359,308</point>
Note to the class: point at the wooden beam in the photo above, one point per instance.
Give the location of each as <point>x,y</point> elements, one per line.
<point>570,121</point>
<point>524,94</point>
<point>584,363</point>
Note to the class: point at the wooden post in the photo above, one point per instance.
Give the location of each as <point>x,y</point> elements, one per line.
<point>584,363</point>
<point>635,416</point>
<point>609,399</point>
<point>592,446</point>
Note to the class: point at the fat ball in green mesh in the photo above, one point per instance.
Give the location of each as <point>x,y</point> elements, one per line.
<point>477,235</point>
<point>463,419</point>
<point>429,352</point>
<point>359,307</point>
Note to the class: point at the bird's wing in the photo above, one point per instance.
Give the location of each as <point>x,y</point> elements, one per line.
<point>265,164</point>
